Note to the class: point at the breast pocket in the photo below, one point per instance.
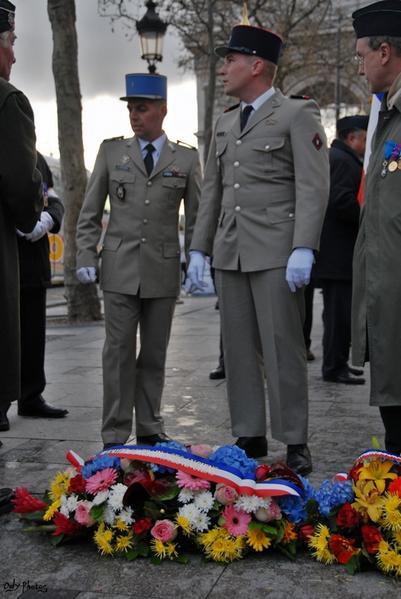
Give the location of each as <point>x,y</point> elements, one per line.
<point>173,190</point>
<point>280,213</point>
<point>121,183</point>
<point>265,151</point>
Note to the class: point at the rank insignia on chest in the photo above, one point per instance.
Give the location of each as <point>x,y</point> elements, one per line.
<point>120,191</point>
<point>174,172</point>
<point>392,157</point>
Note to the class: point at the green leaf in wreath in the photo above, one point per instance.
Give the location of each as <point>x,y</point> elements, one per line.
<point>97,511</point>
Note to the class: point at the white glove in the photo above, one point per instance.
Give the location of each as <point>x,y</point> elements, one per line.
<point>299,267</point>
<point>42,227</point>
<point>195,271</point>
<point>86,274</point>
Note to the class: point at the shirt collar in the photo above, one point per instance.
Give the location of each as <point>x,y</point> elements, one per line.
<point>156,143</point>
<point>257,103</point>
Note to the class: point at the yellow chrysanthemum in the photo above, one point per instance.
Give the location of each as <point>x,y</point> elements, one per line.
<point>220,546</point>
<point>368,499</point>
<point>124,542</point>
<point>121,525</point>
<point>397,538</point>
<point>60,485</point>
<point>51,510</point>
<point>171,550</point>
<point>377,471</point>
<point>389,560</point>
<point>159,548</point>
<point>391,512</point>
<point>184,524</point>
<point>103,538</point>
<point>319,545</point>
<point>289,533</point>
<point>257,539</point>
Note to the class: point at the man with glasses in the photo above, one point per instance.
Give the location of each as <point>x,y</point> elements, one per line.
<point>260,217</point>
<point>376,326</point>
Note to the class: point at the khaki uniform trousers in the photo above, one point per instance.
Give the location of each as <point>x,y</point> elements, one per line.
<point>129,381</point>
<point>262,326</point>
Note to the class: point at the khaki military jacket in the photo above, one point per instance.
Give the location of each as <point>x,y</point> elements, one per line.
<point>266,188</point>
<point>140,251</point>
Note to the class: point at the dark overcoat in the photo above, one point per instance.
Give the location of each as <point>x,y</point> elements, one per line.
<point>20,206</point>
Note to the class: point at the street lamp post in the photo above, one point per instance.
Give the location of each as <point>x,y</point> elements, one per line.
<point>151,30</point>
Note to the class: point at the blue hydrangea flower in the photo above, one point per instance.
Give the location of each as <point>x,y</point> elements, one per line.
<point>294,508</point>
<point>100,463</point>
<point>234,457</point>
<point>170,445</point>
<point>332,493</point>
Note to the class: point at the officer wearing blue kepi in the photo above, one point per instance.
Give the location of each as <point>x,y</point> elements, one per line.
<point>145,177</point>
<point>376,322</point>
<point>260,217</point>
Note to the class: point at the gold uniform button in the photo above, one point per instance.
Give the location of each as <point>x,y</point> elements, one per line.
<point>149,183</point>
<point>267,147</point>
<point>291,214</point>
<point>237,208</point>
<point>145,221</point>
<point>236,163</point>
<point>143,240</point>
<point>238,142</point>
<point>237,185</point>
<point>147,202</point>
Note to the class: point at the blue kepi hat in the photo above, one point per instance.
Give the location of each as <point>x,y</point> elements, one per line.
<point>145,85</point>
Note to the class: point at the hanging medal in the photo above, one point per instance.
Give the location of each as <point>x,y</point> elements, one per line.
<point>120,191</point>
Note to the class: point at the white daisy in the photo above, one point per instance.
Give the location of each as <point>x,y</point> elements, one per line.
<point>68,504</point>
<point>204,501</point>
<point>251,503</point>
<point>116,495</point>
<point>185,496</point>
<point>100,497</point>
<point>189,511</point>
<point>201,522</point>
<point>109,515</point>
<point>126,515</point>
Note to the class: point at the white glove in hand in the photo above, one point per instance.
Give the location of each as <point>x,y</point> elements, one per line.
<point>299,267</point>
<point>195,271</point>
<point>86,274</point>
<point>42,227</point>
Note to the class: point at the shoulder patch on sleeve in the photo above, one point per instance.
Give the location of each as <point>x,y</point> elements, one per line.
<point>185,145</point>
<point>115,138</point>
<point>231,108</point>
<point>317,141</point>
<point>295,97</point>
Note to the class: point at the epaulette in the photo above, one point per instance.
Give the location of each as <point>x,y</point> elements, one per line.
<point>185,145</point>
<point>115,138</point>
<point>231,108</point>
<point>295,97</point>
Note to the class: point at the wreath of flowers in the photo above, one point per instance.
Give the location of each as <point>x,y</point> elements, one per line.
<point>168,501</point>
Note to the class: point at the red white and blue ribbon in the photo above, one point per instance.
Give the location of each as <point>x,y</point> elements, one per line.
<point>378,454</point>
<point>198,467</point>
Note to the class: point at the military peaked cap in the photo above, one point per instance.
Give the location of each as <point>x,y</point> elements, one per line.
<point>253,41</point>
<point>379,18</point>
<point>7,16</point>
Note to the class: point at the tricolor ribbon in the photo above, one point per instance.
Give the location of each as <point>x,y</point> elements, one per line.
<point>199,467</point>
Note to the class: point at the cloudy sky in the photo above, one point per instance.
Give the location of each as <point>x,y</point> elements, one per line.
<point>104,59</point>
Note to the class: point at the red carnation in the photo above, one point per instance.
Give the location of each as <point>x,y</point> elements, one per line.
<point>262,471</point>
<point>347,517</point>
<point>64,526</point>
<point>24,502</point>
<point>342,548</point>
<point>77,484</point>
<point>371,537</point>
<point>142,525</point>
<point>306,532</point>
<point>395,487</point>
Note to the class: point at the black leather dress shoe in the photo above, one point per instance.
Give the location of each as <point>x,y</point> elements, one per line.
<point>153,439</point>
<point>4,424</point>
<point>345,378</point>
<point>299,459</point>
<point>6,504</point>
<point>254,447</point>
<point>217,374</point>
<point>355,371</point>
<point>38,408</point>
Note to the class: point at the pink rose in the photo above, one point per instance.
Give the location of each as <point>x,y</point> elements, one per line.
<point>201,450</point>
<point>164,530</point>
<point>267,514</point>
<point>82,513</point>
<point>225,495</point>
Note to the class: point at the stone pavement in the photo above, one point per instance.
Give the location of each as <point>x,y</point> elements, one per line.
<point>195,410</point>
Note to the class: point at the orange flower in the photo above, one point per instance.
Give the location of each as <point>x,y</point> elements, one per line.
<point>289,533</point>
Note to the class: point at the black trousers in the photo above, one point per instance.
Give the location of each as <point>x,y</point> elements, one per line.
<point>33,339</point>
<point>337,296</point>
<point>391,416</point>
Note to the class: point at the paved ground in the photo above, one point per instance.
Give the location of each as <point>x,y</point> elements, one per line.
<point>195,410</point>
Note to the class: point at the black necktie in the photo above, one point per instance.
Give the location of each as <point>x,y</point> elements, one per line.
<point>245,115</point>
<point>148,160</point>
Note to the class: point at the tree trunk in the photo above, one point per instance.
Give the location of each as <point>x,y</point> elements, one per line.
<point>211,85</point>
<point>82,300</point>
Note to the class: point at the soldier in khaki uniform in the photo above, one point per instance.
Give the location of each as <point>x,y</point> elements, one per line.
<point>260,217</point>
<point>145,177</point>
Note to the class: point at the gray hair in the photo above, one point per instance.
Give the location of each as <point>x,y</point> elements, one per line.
<point>5,39</point>
<point>395,42</point>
